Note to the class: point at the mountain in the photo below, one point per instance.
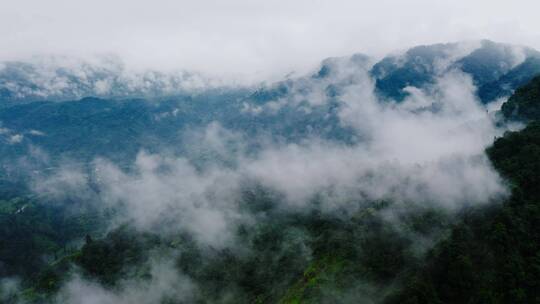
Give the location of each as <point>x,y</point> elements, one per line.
<point>524,105</point>
<point>332,187</point>
<point>497,69</point>
<point>118,128</point>
<point>490,256</point>
<point>292,109</point>
<point>64,79</point>
<point>486,254</point>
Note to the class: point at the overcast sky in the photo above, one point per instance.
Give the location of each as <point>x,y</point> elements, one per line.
<point>253,37</point>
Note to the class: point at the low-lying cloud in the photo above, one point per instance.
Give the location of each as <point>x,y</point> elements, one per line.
<point>165,284</point>
<point>428,149</point>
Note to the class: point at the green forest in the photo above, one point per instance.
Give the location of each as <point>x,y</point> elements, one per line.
<point>484,254</point>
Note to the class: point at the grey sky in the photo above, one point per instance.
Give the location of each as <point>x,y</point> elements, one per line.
<point>253,38</point>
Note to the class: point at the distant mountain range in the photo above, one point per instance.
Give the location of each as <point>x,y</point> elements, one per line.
<point>496,68</point>
<point>115,113</point>
<point>63,78</point>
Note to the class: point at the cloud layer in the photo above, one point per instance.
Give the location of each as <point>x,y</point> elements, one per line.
<point>425,151</point>
<point>428,149</point>
<point>254,38</point>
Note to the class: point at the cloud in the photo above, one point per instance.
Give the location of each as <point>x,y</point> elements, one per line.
<point>70,180</point>
<point>428,149</point>
<point>165,283</point>
<point>9,288</point>
<point>36,133</point>
<point>67,78</point>
<point>164,189</point>
<point>253,39</point>
<point>16,139</point>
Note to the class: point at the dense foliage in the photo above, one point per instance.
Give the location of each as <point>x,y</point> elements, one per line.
<point>32,234</point>
<point>493,255</point>
<point>305,257</point>
<point>489,256</point>
<point>524,105</point>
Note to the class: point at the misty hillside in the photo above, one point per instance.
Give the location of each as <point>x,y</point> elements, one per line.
<point>497,69</point>
<point>410,179</point>
<point>154,110</point>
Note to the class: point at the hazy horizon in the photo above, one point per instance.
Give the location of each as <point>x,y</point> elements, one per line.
<point>253,39</point>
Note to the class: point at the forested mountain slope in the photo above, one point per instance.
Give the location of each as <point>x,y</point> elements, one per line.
<point>347,185</point>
